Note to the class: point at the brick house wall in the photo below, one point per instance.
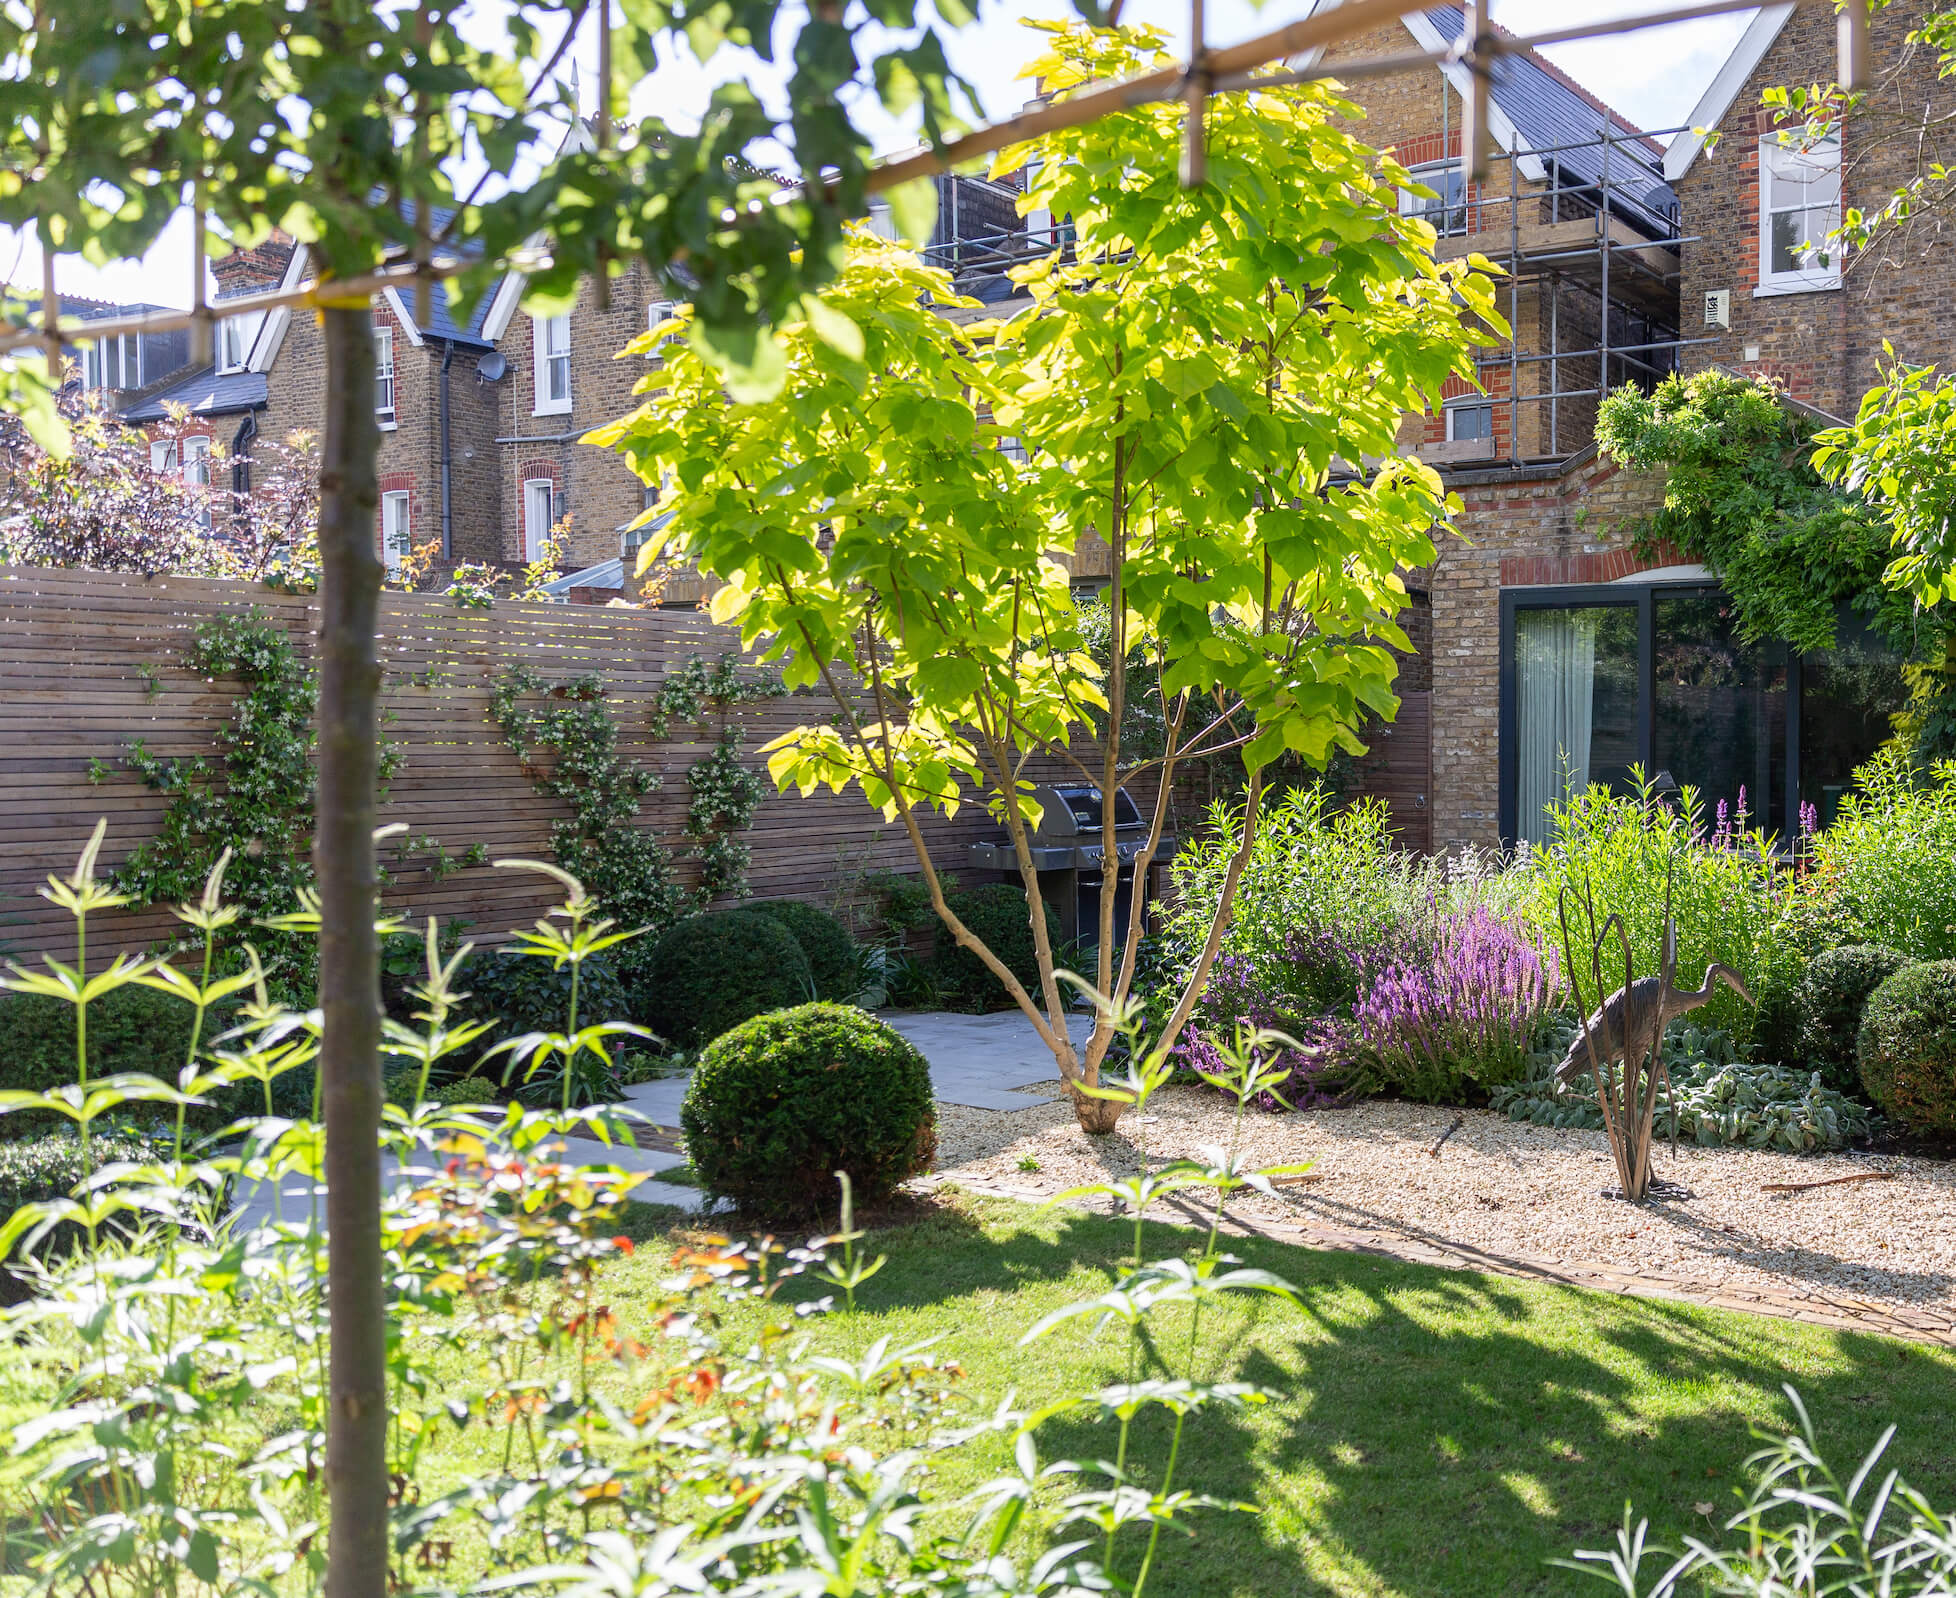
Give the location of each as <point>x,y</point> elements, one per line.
<point>1556,526</point>
<point>410,450</point>
<point>1823,344</point>
<point>598,490</point>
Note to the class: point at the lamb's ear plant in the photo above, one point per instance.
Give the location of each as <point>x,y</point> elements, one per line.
<point>1150,1287</point>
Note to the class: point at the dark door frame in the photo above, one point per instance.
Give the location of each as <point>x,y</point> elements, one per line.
<point>1642,597</point>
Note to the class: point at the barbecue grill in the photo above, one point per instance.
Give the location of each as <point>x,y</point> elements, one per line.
<point>1069,855</point>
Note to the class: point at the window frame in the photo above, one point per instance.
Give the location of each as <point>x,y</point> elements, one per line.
<point>404,498</point>
<point>532,551</point>
<point>386,380</point>
<point>1626,595</point>
<point>194,466</point>
<point>1805,280</point>
<point>127,350</point>
<point>1478,402</point>
<point>231,329</point>
<point>657,311</point>
<point>1411,204</point>
<point>546,357</point>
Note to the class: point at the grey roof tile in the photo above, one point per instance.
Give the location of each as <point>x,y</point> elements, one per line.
<point>207,393</point>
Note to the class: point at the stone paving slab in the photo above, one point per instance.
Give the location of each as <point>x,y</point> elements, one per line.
<point>975,1060</point>
<point>1913,1323</point>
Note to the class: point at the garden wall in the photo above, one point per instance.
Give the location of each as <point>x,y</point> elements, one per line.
<point>92,661</point>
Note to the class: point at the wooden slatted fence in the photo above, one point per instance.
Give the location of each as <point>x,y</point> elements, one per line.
<point>79,652</point>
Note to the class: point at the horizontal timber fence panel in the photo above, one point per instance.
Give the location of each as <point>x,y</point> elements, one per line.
<point>91,662</point>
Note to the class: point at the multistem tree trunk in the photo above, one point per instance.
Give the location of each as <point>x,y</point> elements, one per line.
<point>349,962</point>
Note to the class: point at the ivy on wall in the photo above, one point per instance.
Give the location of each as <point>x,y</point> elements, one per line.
<point>626,867</point>
<point>1741,496</point>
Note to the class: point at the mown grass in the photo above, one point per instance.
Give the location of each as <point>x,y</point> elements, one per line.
<point>1438,1432</point>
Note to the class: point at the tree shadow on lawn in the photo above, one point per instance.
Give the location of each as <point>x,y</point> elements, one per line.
<point>1438,1432</point>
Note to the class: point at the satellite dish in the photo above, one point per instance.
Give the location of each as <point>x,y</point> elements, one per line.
<point>491,367</point>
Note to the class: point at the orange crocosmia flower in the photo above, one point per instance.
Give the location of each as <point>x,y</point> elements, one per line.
<point>622,1244</point>
<point>702,1384</point>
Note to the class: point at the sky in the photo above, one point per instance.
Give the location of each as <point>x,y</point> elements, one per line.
<point>1653,78</point>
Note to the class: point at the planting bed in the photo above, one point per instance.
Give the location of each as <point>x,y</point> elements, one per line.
<point>1532,1195</point>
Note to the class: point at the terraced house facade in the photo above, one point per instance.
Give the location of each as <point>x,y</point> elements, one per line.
<point>1549,654</point>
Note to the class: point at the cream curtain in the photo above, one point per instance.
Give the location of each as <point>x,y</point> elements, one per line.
<point>1555,692</point>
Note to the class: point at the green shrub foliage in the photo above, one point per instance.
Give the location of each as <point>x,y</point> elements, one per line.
<point>527,994</point>
<point>712,972</point>
<point>1908,1046</point>
<point>831,952</point>
<point>1885,870</point>
<point>997,914</point>
<point>35,1170</point>
<point>130,1029</point>
<point>780,1104</point>
<point>1722,1100</point>
<point>1638,855</point>
<point>1832,997</point>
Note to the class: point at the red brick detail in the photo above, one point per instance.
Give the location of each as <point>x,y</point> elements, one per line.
<point>1596,566</point>
<point>529,470</point>
<point>394,483</point>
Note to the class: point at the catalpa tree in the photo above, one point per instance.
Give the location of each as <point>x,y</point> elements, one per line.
<point>1211,379</point>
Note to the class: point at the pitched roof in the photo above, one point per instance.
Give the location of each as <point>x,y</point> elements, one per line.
<point>1556,115</point>
<point>1724,88</point>
<point>206,393</point>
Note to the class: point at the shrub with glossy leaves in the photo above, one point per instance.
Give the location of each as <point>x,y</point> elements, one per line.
<point>712,972</point>
<point>780,1104</point>
<point>36,1169</point>
<point>130,1029</point>
<point>832,956</point>
<point>1832,997</point>
<point>1908,1046</point>
<point>997,914</point>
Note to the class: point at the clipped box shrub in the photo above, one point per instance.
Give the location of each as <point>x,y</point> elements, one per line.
<point>997,914</point>
<point>1908,1046</point>
<point>782,1102</point>
<point>130,1029</point>
<point>712,972</point>
<point>832,957</point>
<point>1832,997</point>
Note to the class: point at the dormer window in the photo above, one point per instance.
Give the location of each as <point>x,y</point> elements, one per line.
<point>232,345</point>
<point>1446,206</point>
<point>113,362</point>
<point>1799,206</point>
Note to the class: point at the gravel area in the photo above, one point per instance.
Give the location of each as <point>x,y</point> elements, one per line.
<point>1509,1188</point>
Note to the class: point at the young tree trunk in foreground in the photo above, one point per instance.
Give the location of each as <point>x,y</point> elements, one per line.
<point>349,963</point>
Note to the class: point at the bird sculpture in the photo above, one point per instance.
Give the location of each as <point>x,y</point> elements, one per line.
<point>1607,1024</point>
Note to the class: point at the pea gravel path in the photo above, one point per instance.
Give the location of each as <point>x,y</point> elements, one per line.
<point>1525,1200</point>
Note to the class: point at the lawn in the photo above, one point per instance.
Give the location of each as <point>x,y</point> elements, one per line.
<point>1439,1432</point>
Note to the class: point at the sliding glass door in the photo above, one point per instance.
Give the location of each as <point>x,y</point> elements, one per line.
<point>1719,708</point>
<point>1575,705</point>
<point>1601,678</point>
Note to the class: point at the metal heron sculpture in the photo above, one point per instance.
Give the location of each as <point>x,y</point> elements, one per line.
<point>1622,1039</point>
<point>1626,1014</point>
